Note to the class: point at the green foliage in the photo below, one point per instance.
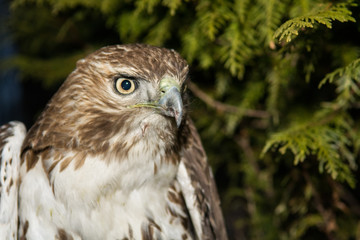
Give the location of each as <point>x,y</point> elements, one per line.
<point>347,80</point>
<point>325,14</point>
<point>38,68</point>
<point>326,137</point>
<point>275,96</point>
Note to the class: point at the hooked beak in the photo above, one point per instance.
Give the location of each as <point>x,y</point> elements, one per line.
<point>171,104</point>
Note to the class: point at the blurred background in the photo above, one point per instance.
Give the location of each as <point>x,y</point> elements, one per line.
<point>275,94</point>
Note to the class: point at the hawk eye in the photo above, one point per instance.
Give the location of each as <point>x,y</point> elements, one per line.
<point>125,85</point>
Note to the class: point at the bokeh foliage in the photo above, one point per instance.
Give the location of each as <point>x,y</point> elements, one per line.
<point>275,87</point>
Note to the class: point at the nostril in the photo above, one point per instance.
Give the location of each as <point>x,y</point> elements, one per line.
<point>176,113</point>
<point>171,104</point>
<point>172,112</point>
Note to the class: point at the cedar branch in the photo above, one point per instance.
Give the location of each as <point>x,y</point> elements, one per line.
<point>222,107</point>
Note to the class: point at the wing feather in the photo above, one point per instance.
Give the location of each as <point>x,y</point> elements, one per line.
<point>199,189</point>
<point>11,138</point>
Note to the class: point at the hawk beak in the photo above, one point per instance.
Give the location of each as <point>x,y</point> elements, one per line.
<point>171,104</point>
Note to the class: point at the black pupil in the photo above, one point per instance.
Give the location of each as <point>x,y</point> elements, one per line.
<point>126,85</point>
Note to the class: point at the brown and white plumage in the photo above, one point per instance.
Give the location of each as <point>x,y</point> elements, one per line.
<point>11,139</point>
<point>115,155</point>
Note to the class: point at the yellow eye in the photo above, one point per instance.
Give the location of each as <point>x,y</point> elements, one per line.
<point>125,85</point>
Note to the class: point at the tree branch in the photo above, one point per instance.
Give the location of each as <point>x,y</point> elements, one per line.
<point>327,215</point>
<point>222,107</point>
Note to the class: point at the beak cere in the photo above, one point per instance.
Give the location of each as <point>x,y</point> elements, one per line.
<point>172,105</point>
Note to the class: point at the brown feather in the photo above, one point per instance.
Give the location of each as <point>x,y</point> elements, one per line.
<point>207,199</point>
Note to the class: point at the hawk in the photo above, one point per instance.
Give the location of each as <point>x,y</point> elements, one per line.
<point>114,155</point>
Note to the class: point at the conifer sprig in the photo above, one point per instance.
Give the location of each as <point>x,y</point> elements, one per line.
<point>325,14</point>
<point>326,139</point>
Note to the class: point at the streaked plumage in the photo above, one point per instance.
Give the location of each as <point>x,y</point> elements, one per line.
<point>114,155</point>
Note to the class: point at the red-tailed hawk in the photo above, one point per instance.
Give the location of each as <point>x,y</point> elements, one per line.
<point>114,155</point>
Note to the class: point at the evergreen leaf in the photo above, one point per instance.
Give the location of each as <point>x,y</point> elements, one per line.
<point>172,5</point>
<point>327,14</point>
<point>347,80</point>
<point>325,141</point>
<point>53,70</point>
<point>146,5</point>
<point>213,18</point>
<point>159,33</point>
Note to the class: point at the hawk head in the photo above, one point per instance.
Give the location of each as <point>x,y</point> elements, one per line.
<point>116,97</point>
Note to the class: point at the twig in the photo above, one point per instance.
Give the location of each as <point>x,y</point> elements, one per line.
<point>348,197</point>
<point>221,107</point>
<point>243,141</point>
<point>327,215</point>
